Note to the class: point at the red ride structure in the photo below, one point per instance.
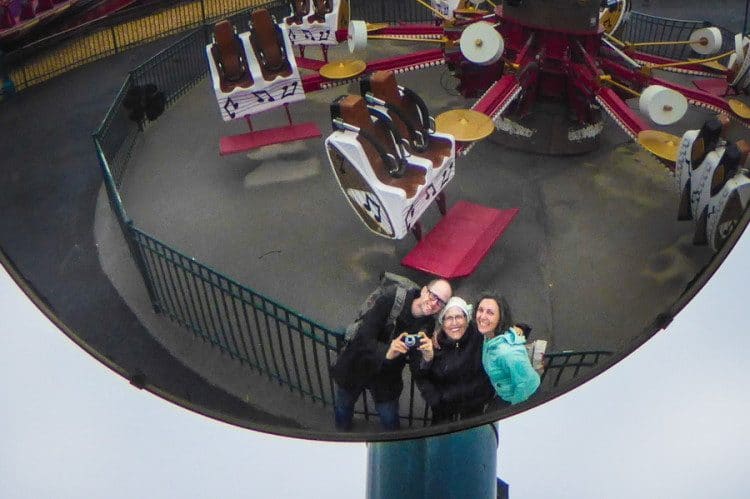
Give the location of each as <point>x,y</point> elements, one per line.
<point>544,75</point>
<point>559,51</point>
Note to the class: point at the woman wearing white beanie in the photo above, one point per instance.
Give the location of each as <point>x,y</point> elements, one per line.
<point>453,382</point>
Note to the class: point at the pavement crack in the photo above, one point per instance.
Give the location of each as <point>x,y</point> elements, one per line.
<point>269,253</point>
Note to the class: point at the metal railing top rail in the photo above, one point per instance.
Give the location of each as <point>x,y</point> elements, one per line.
<point>104,125</point>
<point>280,344</point>
<point>283,308</point>
<point>111,186</point>
<point>117,134</point>
<point>186,66</point>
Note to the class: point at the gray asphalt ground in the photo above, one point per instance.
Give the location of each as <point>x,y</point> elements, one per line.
<point>593,256</point>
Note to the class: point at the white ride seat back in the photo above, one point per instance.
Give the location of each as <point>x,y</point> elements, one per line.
<point>314,22</point>
<point>273,78</point>
<point>410,116</point>
<point>726,209</point>
<point>365,160</point>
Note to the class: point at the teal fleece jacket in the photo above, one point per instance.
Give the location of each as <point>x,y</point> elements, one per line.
<point>507,364</point>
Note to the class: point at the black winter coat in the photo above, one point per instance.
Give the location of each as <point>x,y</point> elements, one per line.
<point>454,384</point>
<point>362,363</point>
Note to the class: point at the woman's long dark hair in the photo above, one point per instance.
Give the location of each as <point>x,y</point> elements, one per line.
<point>506,318</point>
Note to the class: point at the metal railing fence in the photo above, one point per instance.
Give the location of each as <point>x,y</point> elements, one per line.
<point>389,11</point>
<point>272,339</point>
<point>567,365</point>
<point>117,135</point>
<point>645,28</point>
<point>177,68</point>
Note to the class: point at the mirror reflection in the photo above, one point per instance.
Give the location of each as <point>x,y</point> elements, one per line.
<point>312,220</point>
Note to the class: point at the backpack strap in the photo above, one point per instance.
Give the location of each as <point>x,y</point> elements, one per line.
<point>398,306</point>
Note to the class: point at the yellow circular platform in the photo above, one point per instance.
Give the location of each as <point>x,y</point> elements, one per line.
<point>376,26</point>
<point>341,70</point>
<point>739,108</point>
<point>469,11</point>
<point>714,65</point>
<point>661,144</point>
<point>466,125</point>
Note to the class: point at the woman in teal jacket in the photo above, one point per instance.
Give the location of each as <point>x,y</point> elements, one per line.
<point>504,355</point>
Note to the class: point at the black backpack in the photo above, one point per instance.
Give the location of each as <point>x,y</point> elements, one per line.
<point>388,281</point>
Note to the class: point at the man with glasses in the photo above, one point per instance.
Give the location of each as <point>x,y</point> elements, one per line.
<point>375,357</point>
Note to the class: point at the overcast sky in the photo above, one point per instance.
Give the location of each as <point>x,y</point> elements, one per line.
<point>668,422</point>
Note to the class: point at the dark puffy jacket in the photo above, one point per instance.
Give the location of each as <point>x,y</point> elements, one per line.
<point>362,364</point>
<point>454,383</point>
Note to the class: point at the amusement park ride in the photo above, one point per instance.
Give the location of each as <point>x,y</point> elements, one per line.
<point>23,20</point>
<point>391,158</point>
<point>18,17</point>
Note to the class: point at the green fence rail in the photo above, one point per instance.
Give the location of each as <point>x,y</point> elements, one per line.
<point>253,329</point>
<point>265,335</point>
<point>564,366</point>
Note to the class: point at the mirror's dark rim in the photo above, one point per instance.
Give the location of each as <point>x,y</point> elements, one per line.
<point>656,325</point>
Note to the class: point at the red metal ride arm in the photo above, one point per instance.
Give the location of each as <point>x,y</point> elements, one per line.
<point>398,64</point>
<point>702,99</point>
<point>496,99</point>
<point>694,69</point>
<point>405,30</point>
<point>625,117</point>
<point>494,102</point>
<point>694,96</point>
<point>411,30</point>
<point>612,103</point>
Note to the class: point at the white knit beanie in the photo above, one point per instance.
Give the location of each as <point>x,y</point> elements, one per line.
<point>459,302</point>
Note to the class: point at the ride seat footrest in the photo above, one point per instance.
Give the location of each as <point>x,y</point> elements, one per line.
<point>311,64</point>
<point>234,144</point>
<point>714,86</point>
<point>459,242</point>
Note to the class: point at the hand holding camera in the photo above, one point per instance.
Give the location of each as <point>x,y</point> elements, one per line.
<point>421,342</point>
<point>397,347</point>
<point>426,346</point>
<point>412,341</point>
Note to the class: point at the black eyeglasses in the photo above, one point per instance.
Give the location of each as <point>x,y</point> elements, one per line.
<point>435,298</point>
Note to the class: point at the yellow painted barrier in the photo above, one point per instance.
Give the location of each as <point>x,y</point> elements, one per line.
<point>114,39</point>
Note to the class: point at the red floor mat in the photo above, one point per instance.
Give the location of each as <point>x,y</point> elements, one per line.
<point>456,245</point>
<point>714,86</point>
<point>234,144</point>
